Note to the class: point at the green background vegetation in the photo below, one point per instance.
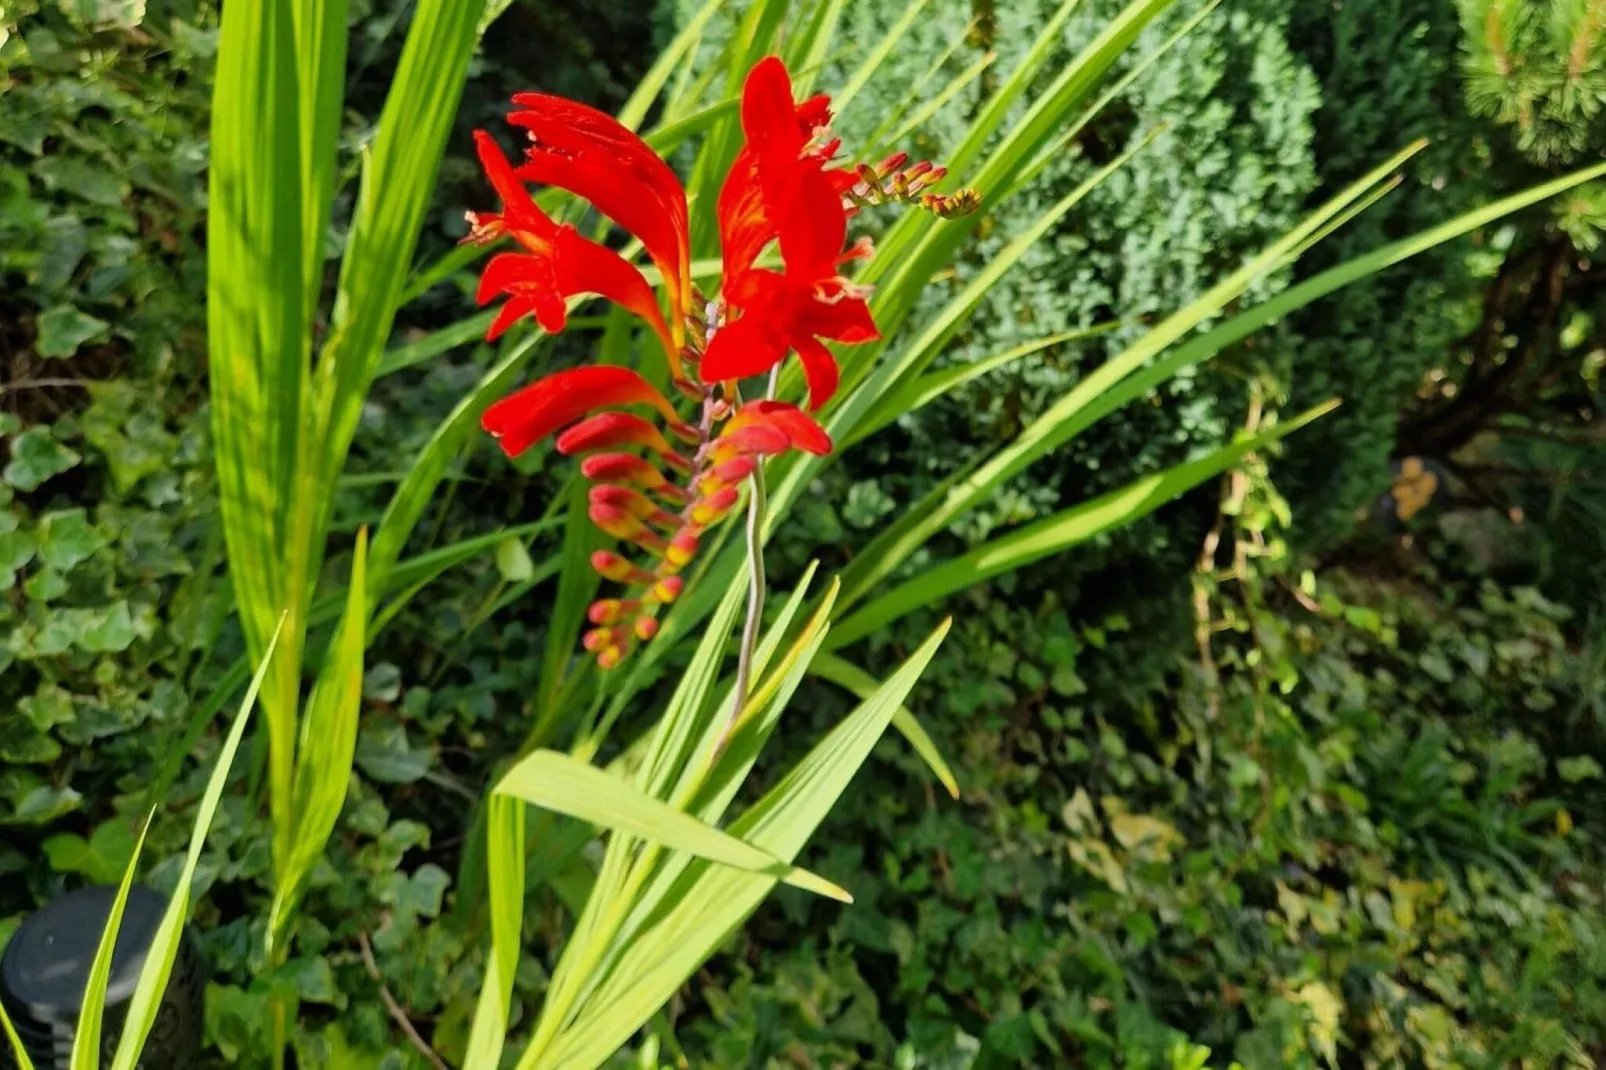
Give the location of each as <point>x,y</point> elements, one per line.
<point>1330,797</point>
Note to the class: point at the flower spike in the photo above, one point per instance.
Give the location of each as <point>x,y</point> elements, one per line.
<point>660,480</point>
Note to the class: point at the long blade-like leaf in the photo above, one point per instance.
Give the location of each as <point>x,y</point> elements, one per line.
<point>19,1053</point>
<point>1063,420</point>
<point>146,1001</point>
<point>713,901</point>
<point>847,675</point>
<point>257,340</point>
<point>566,785</point>
<point>328,744</point>
<point>86,1041</point>
<point>505,869</point>
<point>1054,533</point>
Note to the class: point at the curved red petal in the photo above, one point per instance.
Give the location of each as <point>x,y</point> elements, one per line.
<point>499,171</point>
<point>800,428</point>
<point>524,418</point>
<point>813,112</point>
<point>819,368</point>
<point>621,468</point>
<point>812,223</point>
<point>571,265</point>
<point>845,319</point>
<point>741,439</point>
<point>610,430</point>
<point>744,225</point>
<point>584,266</point>
<point>742,349</point>
<point>509,314</point>
<point>769,118</point>
<point>593,155</point>
<point>506,272</point>
<point>551,312</point>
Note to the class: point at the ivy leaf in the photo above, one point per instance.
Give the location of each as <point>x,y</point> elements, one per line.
<point>63,329</point>
<point>382,683</point>
<point>66,242</point>
<point>420,894</point>
<point>66,538</point>
<point>20,744</point>
<point>134,442</point>
<point>34,802</point>
<point>313,980</point>
<point>98,720</point>
<point>16,549</point>
<point>82,179</point>
<point>126,14</point>
<point>100,630</point>
<point>46,585</point>
<point>47,707</point>
<point>102,858</point>
<point>385,755</point>
<point>35,457</point>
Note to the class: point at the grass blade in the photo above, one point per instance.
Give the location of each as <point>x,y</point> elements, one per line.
<point>866,70</point>
<point>1066,418</point>
<point>398,181</point>
<point>850,677</point>
<point>257,342</point>
<point>568,786</point>
<point>505,868</point>
<point>320,28</point>
<point>1054,534</point>
<point>324,756</point>
<point>917,393</point>
<point>711,902</point>
<point>19,1054</point>
<point>86,1042</point>
<point>153,976</point>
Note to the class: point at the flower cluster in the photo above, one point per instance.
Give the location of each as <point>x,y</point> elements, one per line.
<point>783,188</point>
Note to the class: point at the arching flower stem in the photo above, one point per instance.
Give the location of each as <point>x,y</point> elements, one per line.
<point>755,583</point>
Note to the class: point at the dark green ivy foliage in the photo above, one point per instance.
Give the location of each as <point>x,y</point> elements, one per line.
<point>1373,842</point>
<point>1393,858</point>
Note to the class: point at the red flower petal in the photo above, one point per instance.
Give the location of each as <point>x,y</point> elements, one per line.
<point>813,223</point>
<point>621,468</point>
<point>584,266</point>
<point>509,314</point>
<point>523,419</point>
<point>568,265</point>
<point>593,155</point>
<point>769,118</point>
<point>800,428</point>
<point>610,430</point>
<point>819,367</point>
<point>744,226</point>
<point>761,439</point>
<point>841,319</point>
<point>499,171</point>
<point>742,349</point>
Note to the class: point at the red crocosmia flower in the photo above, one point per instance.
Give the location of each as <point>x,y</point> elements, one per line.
<point>521,420</point>
<point>592,155</point>
<point>557,263</point>
<point>782,190</point>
